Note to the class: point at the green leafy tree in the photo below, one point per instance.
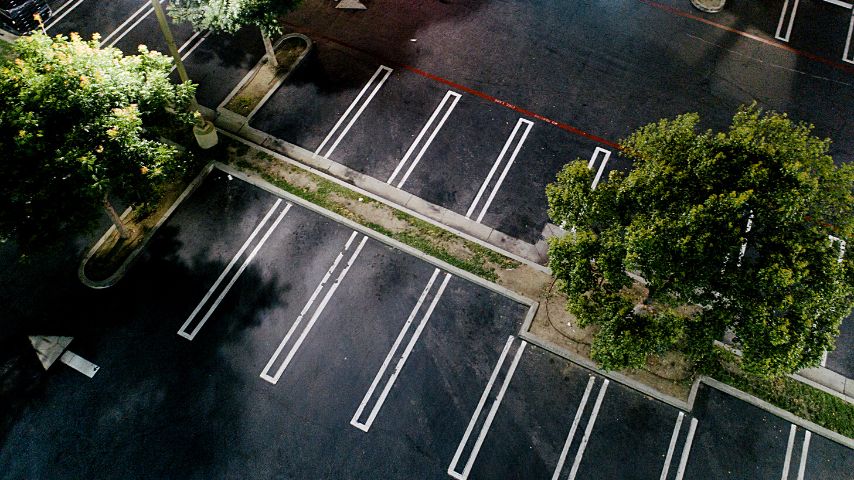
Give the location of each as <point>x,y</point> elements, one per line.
<point>231,15</point>
<point>78,125</point>
<point>710,232</point>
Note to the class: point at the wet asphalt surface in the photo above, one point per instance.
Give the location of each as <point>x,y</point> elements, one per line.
<point>163,406</point>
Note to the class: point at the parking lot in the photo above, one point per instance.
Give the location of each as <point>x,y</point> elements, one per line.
<point>257,338</point>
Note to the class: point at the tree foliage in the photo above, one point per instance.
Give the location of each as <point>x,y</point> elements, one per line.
<point>679,220</point>
<point>77,124</point>
<point>231,15</point>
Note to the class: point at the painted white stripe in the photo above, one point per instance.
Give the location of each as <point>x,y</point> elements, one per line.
<point>497,162</point>
<point>824,359</point>
<point>240,271</point>
<point>358,113</point>
<point>804,450</point>
<point>314,317</point>
<point>673,438</point>
<point>122,28</point>
<point>788,459</point>
<point>190,40</point>
<point>744,243</point>
<point>587,431</point>
<point>495,404</point>
<point>62,11</point>
<point>505,171</point>
<point>79,363</point>
<point>452,468</point>
<point>833,239</point>
<point>601,170</point>
<point>686,450</point>
<point>783,16</point>
<point>840,3</point>
<point>182,331</point>
<point>456,97</point>
<point>124,33</point>
<point>575,421</point>
<point>305,309</point>
<point>402,361</point>
<point>193,49</point>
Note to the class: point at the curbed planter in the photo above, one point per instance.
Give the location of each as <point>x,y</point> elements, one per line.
<point>263,80</point>
<point>126,264</point>
<point>709,6</point>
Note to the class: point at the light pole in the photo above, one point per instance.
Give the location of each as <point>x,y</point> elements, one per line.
<point>203,130</point>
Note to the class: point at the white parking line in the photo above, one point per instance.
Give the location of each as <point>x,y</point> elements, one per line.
<point>62,11</point>
<point>298,343</point>
<point>183,330</point>
<point>592,162</point>
<point>744,243</point>
<point>670,448</point>
<point>186,44</point>
<point>848,54</point>
<point>490,416</point>
<point>783,16</point>
<point>686,450</point>
<point>788,459</point>
<point>575,421</point>
<point>385,71</point>
<point>528,124</point>
<point>588,431</point>
<point>122,30</point>
<point>427,126</point>
<point>805,448</point>
<point>402,361</point>
<point>79,363</point>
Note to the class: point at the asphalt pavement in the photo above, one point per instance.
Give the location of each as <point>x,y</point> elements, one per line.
<point>258,339</point>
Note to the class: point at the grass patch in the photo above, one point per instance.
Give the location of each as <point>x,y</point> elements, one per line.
<point>421,235</point>
<point>809,403</point>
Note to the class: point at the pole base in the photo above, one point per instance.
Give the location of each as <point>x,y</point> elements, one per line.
<point>206,135</point>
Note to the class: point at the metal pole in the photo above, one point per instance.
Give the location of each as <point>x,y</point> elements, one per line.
<point>173,49</point>
<point>204,130</point>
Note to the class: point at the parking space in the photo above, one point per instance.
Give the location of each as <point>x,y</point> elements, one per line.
<point>309,105</point>
<point>89,16</point>
<point>737,440</point>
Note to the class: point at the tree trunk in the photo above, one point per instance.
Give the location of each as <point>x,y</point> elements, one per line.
<point>117,221</point>
<point>271,54</point>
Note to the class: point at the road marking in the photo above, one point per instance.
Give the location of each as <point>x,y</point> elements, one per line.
<point>588,431</point>
<point>123,29</point>
<point>575,421</point>
<point>490,416</point>
<point>298,343</point>
<point>670,448</point>
<point>804,450</point>
<point>510,140</point>
<point>186,44</point>
<point>402,361</point>
<point>62,11</point>
<point>79,363</point>
<point>788,459</point>
<point>744,243</point>
<point>686,450</point>
<point>427,126</point>
<point>385,71</point>
<point>840,3</point>
<point>842,245</point>
<point>607,155</point>
<point>783,16</point>
<point>183,330</point>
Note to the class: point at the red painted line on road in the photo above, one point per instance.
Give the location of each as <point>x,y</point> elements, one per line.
<point>772,43</point>
<point>471,91</point>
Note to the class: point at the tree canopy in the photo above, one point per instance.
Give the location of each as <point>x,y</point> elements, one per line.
<point>736,231</point>
<point>231,15</point>
<point>77,124</point>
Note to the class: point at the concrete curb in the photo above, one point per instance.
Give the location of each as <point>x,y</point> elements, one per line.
<point>821,378</point>
<point>115,277</point>
<point>788,416</point>
<point>237,121</point>
<point>370,187</point>
<point>264,185</point>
